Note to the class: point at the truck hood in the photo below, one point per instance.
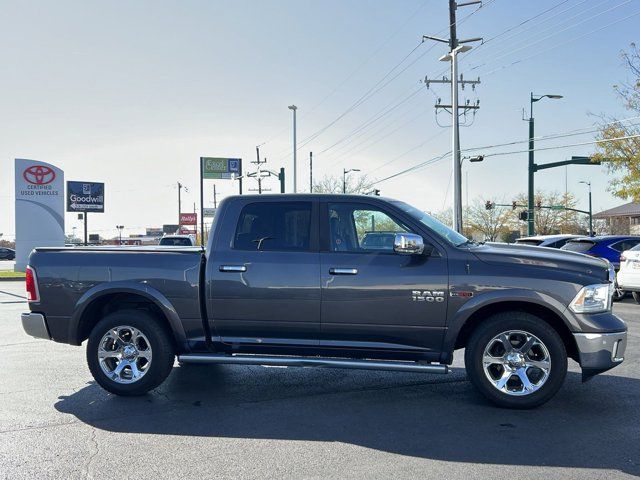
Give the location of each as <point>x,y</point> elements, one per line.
<point>505,253</point>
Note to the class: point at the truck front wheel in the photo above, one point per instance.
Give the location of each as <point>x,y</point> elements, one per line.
<point>129,352</point>
<point>516,360</point>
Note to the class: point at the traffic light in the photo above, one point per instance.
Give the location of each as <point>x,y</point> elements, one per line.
<point>488,205</point>
<point>524,215</point>
<point>376,192</point>
<point>538,204</point>
<point>513,205</point>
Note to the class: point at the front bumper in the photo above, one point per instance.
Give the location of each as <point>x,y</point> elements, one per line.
<point>600,352</point>
<point>35,325</point>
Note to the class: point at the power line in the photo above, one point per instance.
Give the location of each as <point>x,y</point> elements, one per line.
<point>606,140</point>
<point>556,147</point>
<point>563,43</point>
<point>373,90</point>
<point>535,25</point>
<point>355,70</point>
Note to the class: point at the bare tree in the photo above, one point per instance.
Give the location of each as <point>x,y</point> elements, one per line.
<point>549,221</point>
<point>493,224</point>
<point>332,184</point>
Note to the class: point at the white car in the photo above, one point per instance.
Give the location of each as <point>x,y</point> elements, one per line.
<point>629,273</point>
<point>177,241</point>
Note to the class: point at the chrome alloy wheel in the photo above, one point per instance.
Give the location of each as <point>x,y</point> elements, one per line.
<point>124,354</point>
<point>516,362</point>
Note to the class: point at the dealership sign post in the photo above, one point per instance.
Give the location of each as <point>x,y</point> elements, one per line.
<point>85,197</point>
<point>39,208</point>
<point>217,168</point>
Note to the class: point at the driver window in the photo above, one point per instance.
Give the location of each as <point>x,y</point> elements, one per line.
<point>361,229</point>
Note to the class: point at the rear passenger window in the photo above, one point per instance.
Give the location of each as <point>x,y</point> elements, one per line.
<point>280,226</point>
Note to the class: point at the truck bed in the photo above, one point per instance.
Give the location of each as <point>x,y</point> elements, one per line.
<point>69,278</point>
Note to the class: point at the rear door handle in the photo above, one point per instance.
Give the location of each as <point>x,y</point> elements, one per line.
<point>233,268</point>
<point>343,271</point>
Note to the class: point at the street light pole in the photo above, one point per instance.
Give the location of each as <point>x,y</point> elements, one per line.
<point>531,188</point>
<point>344,177</point>
<point>295,150</point>
<point>120,227</point>
<point>590,209</point>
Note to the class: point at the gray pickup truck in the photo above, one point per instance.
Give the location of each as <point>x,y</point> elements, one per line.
<point>286,280</point>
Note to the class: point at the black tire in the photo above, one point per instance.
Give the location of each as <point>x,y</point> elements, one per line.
<point>161,348</point>
<point>485,333</point>
<point>636,296</point>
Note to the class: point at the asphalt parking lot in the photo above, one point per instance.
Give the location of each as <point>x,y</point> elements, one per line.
<point>258,422</point>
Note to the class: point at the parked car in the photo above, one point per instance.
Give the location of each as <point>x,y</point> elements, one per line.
<point>551,241</point>
<point>609,247</point>
<point>629,274</point>
<point>177,241</point>
<point>7,253</point>
<point>285,280</point>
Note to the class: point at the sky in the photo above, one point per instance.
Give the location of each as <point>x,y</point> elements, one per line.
<point>133,93</point>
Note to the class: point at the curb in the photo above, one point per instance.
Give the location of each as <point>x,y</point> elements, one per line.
<point>11,279</point>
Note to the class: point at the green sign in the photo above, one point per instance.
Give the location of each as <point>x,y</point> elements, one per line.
<point>557,207</point>
<point>221,168</point>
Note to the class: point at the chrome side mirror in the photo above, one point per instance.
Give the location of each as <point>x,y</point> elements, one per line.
<point>408,244</point>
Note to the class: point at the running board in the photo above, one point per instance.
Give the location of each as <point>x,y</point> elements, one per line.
<point>313,362</point>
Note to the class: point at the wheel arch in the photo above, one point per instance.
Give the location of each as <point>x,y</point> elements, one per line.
<point>107,298</point>
<point>549,315</point>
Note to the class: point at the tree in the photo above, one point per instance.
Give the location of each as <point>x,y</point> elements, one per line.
<point>493,224</point>
<point>549,221</point>
<point>332,184</point>
<point>622,157</point>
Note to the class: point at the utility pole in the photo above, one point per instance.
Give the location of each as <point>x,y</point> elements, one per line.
<point>455,48</point>
<point>179,203</point>
<point>310,172</point>
<point>259,174</point>
<point>295,150</point>
<point>215,197</point>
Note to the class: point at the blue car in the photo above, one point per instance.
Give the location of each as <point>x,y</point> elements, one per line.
<point>609,247</point>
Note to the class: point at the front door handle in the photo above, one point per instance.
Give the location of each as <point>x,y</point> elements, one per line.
<point>343,271</point>
<point>233,268</point>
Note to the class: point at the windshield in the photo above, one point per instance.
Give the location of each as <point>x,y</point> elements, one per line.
<point>528,241</point>
<point>176,242</point>
<point>451,236</point>
<point>579,246</point>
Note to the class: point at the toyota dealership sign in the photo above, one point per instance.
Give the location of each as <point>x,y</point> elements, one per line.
<point>39,208</point>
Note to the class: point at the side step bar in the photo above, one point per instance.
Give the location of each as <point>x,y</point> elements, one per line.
<point>313,362</point>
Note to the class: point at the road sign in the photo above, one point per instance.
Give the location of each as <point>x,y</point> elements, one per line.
<point>85,197</point>
<point>209,212</point>
<point>188,219</point>
<point>221,168</point>
<point>557,207</point>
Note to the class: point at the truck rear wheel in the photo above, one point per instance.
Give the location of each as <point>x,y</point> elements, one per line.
<point>130,352</point>
<point>516,360</point>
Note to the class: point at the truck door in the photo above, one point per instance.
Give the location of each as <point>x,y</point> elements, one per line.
<point>264,278</point>
<point>373,297</point>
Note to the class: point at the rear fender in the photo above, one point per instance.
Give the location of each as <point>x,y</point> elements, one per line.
<point>136,288</point>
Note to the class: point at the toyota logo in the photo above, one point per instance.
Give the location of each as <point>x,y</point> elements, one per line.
<point>39,175</point>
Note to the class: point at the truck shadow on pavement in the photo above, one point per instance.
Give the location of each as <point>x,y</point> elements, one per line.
<point>592,425</point>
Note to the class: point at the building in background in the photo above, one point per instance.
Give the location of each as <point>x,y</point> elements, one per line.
<point>622,220</point>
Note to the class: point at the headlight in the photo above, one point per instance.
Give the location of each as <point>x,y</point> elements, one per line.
<point>592,299</point>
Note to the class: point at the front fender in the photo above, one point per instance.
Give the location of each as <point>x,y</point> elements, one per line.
<point>119,287</point>
<point>494,297</point>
